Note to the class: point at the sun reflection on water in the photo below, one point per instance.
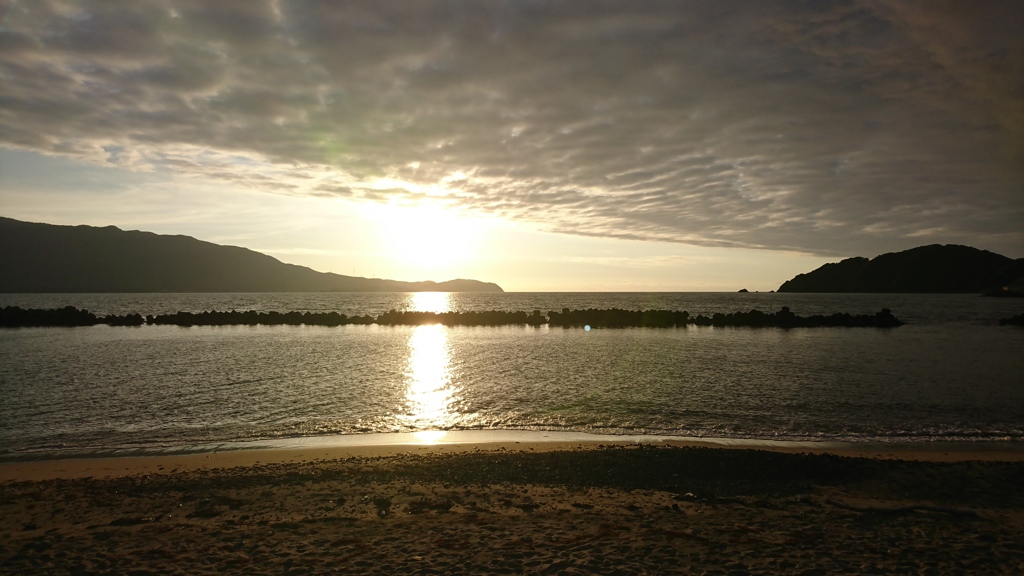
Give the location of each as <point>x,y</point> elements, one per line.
<point>430,301</point>
<point>430,395</point>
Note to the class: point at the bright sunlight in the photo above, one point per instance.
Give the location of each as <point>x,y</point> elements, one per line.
<point>427,236</point>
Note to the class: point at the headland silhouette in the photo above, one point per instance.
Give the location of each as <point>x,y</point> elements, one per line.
<point>46,258</point>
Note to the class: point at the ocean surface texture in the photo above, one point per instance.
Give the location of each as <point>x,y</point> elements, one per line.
<point>951,373</point>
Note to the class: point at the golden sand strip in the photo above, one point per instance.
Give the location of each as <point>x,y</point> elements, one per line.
<point>534,509</point>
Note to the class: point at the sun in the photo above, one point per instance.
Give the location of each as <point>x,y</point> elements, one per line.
<point>427,235</point>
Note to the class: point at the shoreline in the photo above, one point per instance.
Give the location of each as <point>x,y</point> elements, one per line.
<point>327,448</point>
<point>558,508</point>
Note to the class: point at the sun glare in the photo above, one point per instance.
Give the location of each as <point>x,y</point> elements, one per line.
<point>430,302</point>
<point>430,394</point>
<point>427,236</point>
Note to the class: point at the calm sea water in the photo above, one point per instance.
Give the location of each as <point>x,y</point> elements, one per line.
<point>951,373</point>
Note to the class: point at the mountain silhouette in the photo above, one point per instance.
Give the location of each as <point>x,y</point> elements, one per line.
<point>926,269</point>
<point>50,258</point>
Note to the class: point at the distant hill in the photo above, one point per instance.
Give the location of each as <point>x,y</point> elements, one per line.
<point>926,269</point>
<point>49,258</point>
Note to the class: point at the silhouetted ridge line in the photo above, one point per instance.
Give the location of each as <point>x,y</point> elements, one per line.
<point>60,259</point>
<point>13,316</point>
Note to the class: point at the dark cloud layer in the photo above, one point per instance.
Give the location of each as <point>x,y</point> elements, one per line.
<point>831,128</point>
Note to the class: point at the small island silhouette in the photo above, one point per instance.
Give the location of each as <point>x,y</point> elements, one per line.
<point>936,268</point>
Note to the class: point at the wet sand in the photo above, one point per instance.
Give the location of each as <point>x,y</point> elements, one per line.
<point>517,508</point>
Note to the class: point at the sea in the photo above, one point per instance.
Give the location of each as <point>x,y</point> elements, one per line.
<point>950,374</point>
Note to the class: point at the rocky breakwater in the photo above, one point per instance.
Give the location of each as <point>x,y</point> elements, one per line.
<point>253,318</point>
<point>13,316</point>
<point>68,316</point>
<point>784,318</point>
<point>482,318</point>
<point>618,318</point>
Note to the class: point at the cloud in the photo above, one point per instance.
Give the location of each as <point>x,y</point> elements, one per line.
<point>829,128</point>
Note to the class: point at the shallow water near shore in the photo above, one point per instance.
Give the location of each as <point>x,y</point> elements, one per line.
<point>950,374</point>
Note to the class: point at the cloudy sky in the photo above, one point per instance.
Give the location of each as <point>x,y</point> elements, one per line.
<point>577,145</point>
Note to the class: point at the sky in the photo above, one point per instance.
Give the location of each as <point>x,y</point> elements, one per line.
<point>546,146</point>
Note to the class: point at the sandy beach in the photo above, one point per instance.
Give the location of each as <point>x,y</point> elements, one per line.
<point>510,508</point>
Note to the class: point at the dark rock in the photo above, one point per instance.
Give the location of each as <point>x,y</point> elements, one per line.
<point>927,269</point>
<point>13,316</point>
<point>1017,320</point>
